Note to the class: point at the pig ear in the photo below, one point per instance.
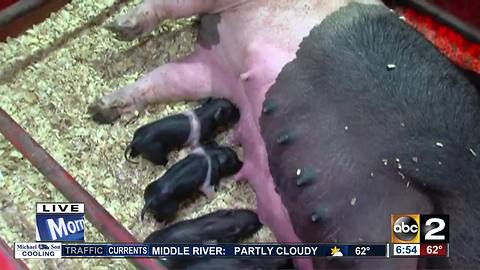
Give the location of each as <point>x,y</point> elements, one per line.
<point>218,114</point>
<point>130,153</point>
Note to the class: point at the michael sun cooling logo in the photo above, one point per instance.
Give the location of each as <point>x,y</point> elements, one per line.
<point>60,222</point>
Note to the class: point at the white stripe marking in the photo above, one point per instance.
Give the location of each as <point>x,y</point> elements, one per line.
<point>207,187</point>
<point>194,136</point>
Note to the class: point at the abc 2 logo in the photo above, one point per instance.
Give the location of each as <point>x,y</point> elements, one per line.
<point>415,229</point>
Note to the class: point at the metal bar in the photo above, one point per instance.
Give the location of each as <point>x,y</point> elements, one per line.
<point>70,188</point>
<point>15,22</point>
<point>7,253</point>
<point>442,16</point>
<point>18,9</point>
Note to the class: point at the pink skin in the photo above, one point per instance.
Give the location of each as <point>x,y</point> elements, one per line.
<point>241,67</point>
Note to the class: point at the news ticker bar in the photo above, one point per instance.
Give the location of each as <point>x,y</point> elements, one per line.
<point>67,250</point>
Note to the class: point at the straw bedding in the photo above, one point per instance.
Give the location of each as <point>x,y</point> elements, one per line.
<point>48,77</point>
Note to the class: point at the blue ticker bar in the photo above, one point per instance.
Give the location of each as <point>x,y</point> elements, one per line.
<point>223,250</point>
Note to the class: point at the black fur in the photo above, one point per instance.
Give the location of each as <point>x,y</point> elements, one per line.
<point>351,112</point>
<point>208,34</point>
<point>183,179</point>
<point>156,140</point>
<point>221,226</point>
<point>216,115</point>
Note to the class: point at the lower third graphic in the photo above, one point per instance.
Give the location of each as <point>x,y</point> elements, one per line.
<point>60,222</point>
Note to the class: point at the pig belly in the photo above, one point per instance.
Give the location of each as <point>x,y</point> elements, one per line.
<point>257,38</point>
<point>333,116</point>
<point>253,56</point>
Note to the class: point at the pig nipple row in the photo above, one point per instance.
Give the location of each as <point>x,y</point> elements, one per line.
<point>303,176</point>
<point>285,137</point>
<point>194,135</point>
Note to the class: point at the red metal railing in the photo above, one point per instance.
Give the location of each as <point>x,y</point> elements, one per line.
<point>69,187</point>
<point>6,3</point>
<point>7,261</point>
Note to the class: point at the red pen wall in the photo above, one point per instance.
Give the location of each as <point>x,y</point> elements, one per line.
<point>467,10</point>
<point>6,3</point>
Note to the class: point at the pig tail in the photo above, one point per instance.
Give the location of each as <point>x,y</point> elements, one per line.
<point>127,153</point>
<point>145,208</point>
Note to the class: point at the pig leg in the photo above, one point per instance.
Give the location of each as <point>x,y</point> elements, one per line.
<point>144,18</point>
<point>187,79</point>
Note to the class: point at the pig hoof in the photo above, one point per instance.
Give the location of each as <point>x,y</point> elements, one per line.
<point>102,113</point>
<point>126,31</point>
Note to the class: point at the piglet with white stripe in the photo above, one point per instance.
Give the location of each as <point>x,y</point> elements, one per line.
<point>156,140</point>
<point>201,170</point>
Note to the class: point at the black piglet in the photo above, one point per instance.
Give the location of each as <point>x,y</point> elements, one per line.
<point>221,226</point>
<point>201,170</point>
<point>156,140</point>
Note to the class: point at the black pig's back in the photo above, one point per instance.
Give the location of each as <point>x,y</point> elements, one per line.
<point>371,115</point>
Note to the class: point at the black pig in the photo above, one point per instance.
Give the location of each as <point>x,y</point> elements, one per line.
<point>202,169</point>
<point>222,226</point>
<point>155,140</point>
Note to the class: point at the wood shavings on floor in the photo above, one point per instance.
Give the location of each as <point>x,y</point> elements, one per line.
<point>48,77</point>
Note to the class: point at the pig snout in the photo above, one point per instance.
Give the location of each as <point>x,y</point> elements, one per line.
<point>201,170</point>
